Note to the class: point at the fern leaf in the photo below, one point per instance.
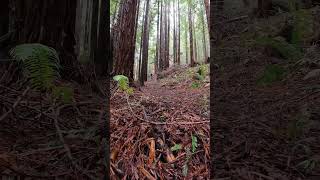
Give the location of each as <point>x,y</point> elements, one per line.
<point>41,63</point>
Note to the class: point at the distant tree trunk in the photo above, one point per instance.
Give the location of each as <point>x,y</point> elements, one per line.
<point>192,58</point>
<point>167,63</point>
<point>174,34</point>
<point>162,40</point>
<point>186,42</point>
<point>204,36</point>
<point>207,6</point>
<point>141,46</point>
<point>145,47</point>
<point>178,58</point>
<point>133,50</point>
<point>195,42</point>
<point>156,61</point>
<point>124,42</point>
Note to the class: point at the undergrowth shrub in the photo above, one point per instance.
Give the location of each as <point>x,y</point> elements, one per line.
<point>199,76</point>
<point>272,73</point>
<point>41,64</point>
<point>302,28</point>
<point>123,83</point>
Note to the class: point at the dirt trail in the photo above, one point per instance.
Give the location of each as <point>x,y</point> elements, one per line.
<point>176,112</point>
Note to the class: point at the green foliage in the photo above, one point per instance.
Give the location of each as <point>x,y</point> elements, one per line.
<point>195,85</point>
<point>194,143</point>
<point>40,62</point>
<point>308,165</point>
<point>271,74</point>
<point>123,83</point>
<point>288,51</point>
<point>176,147</point>
<point>185,167</point>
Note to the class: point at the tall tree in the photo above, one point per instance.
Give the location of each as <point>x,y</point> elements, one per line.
<point>141,46</point>
<point>167,62</point>
<point>192,57</point>
<point>207,6</point>
<point>162,51</point>
<point>174,33</point>
<point>204,34</point>
<point>178,56</point>
<point>156,63</point>
<point>124,39</point>
<point>186,30</point>
<point>145,47</point>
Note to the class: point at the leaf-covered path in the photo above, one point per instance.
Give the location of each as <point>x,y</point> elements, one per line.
<point>155,119</point>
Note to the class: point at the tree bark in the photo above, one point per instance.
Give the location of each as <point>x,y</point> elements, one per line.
<point>144,67</point>
<point>204,36</point>
<point>192,58</point>
<point>178,58</point>
<point>207,6</point>
<point>124,41</point>
<point>36,21</point>
<point>156,61</point>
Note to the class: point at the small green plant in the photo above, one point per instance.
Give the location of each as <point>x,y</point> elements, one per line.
<point>41,63</point>
<point>185,167</point>
<point>123,83</point>
<point>307,165</point>
<point>176,147</point>
<point>271,74</point>
<point>195,85</point>
<point>194,143</point>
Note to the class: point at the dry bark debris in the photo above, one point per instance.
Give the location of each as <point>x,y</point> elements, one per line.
<point>149,124</point>
<point>53,141</point>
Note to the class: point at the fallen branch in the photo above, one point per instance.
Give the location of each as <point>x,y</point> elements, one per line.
<point>15,104</point>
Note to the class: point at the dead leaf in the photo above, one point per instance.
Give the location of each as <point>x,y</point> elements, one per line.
<point>114,155</point>
<point>170,156</point>
<point>146,173</point>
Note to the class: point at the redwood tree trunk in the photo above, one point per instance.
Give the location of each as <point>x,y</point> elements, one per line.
<point>48,22</point>
<point>156,61</point>
<point>207,6</point>
<point>144,67</point>
<point>192,60</point>
<point>178,57</point>
<point>124,40</point>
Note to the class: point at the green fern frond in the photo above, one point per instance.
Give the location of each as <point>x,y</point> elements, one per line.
<point>288,51</point>
<point>40,62</point>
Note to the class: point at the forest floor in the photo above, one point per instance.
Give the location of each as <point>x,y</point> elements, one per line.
<point>268,130</point>
<point>162,115</point>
